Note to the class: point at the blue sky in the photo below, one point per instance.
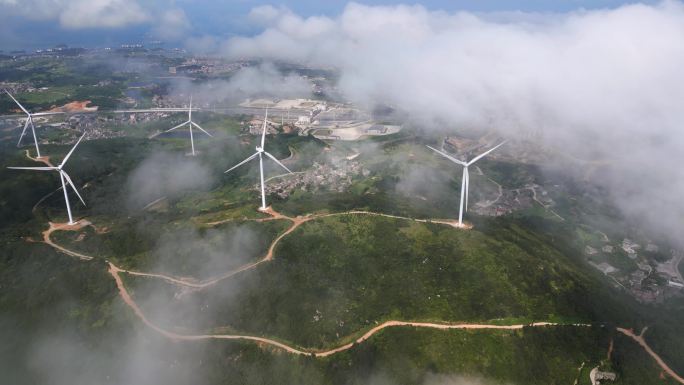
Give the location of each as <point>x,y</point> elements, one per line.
<point>215,13</point>
<point>225,18</point>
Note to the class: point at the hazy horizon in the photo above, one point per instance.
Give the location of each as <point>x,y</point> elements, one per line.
<point>34,24</point>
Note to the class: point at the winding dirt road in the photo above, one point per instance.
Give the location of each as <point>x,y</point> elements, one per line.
<point>115,272</point>
<point>65,227</point>
<point>274,215</point>
<point>126,297</point>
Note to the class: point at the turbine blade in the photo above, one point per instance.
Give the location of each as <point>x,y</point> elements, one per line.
<point>23,132</point>
<point>34,168</point>
<point>48,113</point>
<point>486,153</point>
<point>277,161</point>
<point>71,152</point>
<point>150,110</point>
<point>451,158</point>
<point>241,163</point>
<point>263,130</point>
<point>19,104</point>
<point>201,129</point>
<point>178,126</point>
<point>68,179</point>
<point>190,110</point>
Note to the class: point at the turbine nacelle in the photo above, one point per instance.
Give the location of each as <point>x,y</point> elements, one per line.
<point>63,176</point>
<point>190,123</point>
<point>259,151</point>
<point>465,181</point>
<point>29,122</point>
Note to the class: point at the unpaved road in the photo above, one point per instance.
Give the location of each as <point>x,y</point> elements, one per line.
<point>125,296</point>
<point>274,215</point>
<point>296,222</point>
<point>65,227</point>
<point>639,339</point>
<point>115,271</point>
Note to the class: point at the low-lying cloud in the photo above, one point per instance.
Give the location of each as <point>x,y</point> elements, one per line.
<point>440,379</point>
<point>164,175</point>
<point>601,85</point>
<point>204,254</point>
<point>264,80</point>
<point>169,22</point>
<point>613,69</point>
<point>173,24</point>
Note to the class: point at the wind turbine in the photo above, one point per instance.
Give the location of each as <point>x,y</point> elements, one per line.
<point>465,181</point>
<point>29,120</point>
<point>63,176</point>
<point>190,123</point>
<point>258,153</point>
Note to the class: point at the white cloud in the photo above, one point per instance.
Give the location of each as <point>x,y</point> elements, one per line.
<point>202,45</point>
<point>604,82</point>
<point>171,25</point>
<point>585,69</point>
<point>102,14</point>
<point>168,21</point>
<point>164,175</point>
<point>260,81</point>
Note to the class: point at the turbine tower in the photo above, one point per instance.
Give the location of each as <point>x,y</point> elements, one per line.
<point>63,176</point>
<point>465,180</point>
<point>259,153</point>
<point>190,123</point>
<point>29,121</point>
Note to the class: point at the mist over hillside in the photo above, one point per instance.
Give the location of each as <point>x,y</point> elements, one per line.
<point>341,193</point>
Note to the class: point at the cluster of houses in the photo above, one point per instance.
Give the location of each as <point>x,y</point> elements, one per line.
<point>335,176</point>
<point>645,283</point>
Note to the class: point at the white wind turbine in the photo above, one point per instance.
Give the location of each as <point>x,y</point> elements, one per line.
<point>63,176</point>
<point>29,121</point>
<point>190,123</point>
<point>465,181</point>
<point>259,152</point>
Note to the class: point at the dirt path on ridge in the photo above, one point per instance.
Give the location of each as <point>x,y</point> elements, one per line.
<point>296,222</point>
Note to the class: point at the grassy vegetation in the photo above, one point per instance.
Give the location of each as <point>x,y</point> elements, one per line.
<point>57,307</point>
<point>331,279</point>
<point>513,357</point>
<point>176,248</point>
<point>342,275</point>
<point>511,175</point>
<point>634,365</point>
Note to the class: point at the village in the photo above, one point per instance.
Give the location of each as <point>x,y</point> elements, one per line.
<point>335,177</point>
<point>647,278</point>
